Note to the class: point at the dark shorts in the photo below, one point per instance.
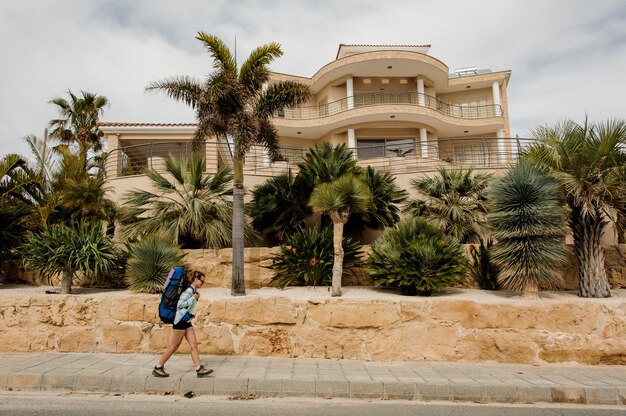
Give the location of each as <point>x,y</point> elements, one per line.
<point>182,325</point>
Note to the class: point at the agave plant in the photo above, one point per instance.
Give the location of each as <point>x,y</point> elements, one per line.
<point>528,222</point>
<point>417,258</point>
<point>68,250</point>
<point>307,258</point>
<point>149,260</point>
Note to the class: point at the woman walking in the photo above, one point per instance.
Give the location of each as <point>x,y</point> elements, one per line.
<point>183,329</point>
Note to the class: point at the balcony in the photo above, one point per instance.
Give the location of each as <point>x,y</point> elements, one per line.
<point>372,99</point>
<point>407,157</point>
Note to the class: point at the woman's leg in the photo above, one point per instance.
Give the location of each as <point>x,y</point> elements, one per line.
<point>177,338</point>
<point>190,335</point>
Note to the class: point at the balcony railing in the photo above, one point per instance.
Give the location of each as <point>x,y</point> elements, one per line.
<point>407,157</point>
<point>372,99</point>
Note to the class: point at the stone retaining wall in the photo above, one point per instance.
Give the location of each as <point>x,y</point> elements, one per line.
<point>373,326</point>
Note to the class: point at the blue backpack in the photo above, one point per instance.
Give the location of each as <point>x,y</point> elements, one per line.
<point>175,284</point>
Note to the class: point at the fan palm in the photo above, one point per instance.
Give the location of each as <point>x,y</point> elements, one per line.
<point>528,222</point>
<point>233,104</point>
<point>452,201</point>
<point>149,260</point>
<point>190,209</point>
<point>384,210</point>
<point>340,198</point>
<point>78,122</point>
<point>587,159</point>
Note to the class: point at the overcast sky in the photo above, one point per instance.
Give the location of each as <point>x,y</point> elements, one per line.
<point>567,57</point>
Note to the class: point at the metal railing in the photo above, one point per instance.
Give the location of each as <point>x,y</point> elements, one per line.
<point>404,157</point>
<point>360,100</point>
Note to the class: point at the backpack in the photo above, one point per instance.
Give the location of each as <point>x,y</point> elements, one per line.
<point>175,284</point>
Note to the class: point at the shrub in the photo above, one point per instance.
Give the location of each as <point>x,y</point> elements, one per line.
<point>417,258</point>
<point>69,250</point>
<point>481,268</point>
<point>149,262</point>
<point>307,258</point>
<point>528,223</point>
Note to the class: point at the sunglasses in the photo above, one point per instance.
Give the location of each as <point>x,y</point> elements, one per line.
<point>201,280</point>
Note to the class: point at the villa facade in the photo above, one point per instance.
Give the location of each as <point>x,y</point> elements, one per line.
<point>399,109</point>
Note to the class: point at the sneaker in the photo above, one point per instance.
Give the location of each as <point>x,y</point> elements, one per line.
<point>159,372</point>
<point>203,371</point>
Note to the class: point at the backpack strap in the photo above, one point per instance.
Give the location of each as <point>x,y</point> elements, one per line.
<point>169,277</point>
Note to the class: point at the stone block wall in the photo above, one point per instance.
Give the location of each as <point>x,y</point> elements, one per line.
<point>375,325</point>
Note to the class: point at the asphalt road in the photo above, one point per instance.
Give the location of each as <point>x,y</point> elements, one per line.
<point>22,404</point>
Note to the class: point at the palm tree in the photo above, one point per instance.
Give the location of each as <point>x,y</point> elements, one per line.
<point>452,201</point>
<point>528,222</point>
<point>43,159</point>
<point>340,198</point>
<point>78,122</point>
<point>235,104</point>
<point>190,209</point>
<point>279,207</point>
<point>587,159</point>
<point>68,250</point>
<point>18,182</point>
<point>384,209</point>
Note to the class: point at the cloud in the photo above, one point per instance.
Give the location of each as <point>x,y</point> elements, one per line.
<point>567,57</point>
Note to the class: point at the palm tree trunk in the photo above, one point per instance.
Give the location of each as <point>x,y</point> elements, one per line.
<point>238,287</point>
<point>66,282</point>
<point>338,260</point>
<point>587,232</point>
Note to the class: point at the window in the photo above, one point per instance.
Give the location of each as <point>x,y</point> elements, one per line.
<point>385,147</point>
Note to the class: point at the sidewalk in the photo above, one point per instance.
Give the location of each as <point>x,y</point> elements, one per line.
<point>309,377</point>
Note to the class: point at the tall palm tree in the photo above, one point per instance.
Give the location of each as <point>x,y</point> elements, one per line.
<point>190,209</point>
<point>340,198</point>
<point>235,103</point>
<point>453,201</point>
<point>78,122</point>
<point>43,160</point>
<point>587,159</point>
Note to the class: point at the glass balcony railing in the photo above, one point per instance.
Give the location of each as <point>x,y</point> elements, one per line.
<point>382,98</point>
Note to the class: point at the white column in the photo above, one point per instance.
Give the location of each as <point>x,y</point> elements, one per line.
<point>495,88</point>
<point>424,142</point>
<point>352,142</point>
<point>350,92</point>
<point>421,98</point>
<point>501,146</point>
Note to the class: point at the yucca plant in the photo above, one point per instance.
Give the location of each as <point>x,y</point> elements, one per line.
<point>482,269</point>
<point>307,258</point>
<point>528,223</point>
<point>417,258</point>
<point>149,261</point>
<point>68,250</point>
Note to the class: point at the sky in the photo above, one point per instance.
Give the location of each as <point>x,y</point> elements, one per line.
<point>567,57</point>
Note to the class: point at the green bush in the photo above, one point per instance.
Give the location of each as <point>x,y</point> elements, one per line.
<point>481,268</point>
<point>77,249</point>
<point>417,258</point>
<point>149,262</point>
<point>307,258</point>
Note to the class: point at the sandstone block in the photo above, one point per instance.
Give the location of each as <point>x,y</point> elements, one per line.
<point>215,340</point>
<point>121,338</point>
<point>270,341</point>
<point>353,314</point>
<point>498,346</point>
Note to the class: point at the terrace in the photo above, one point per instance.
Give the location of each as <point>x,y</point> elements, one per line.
<point>372,99</point>
<point>396,157</point>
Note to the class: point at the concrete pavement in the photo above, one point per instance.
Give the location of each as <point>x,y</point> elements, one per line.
<point>310,377</point>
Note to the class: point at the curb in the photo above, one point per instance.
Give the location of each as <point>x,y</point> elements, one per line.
<point>312,387</point>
